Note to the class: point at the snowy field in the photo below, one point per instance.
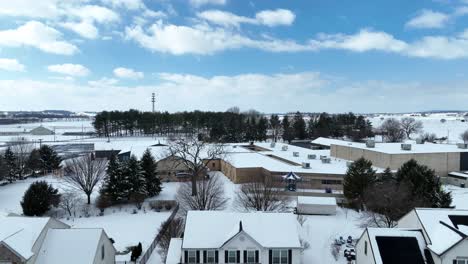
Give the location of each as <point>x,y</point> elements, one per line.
<point>451,128</point>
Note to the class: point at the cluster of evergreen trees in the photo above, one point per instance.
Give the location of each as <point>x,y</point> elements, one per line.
<point>131,180</point>
<point>418,184</point>
<point>231,126</point>
<point>42,160</point>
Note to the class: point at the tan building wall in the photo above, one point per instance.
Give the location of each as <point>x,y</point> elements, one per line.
<point>168,168</point>
<point>442,163</point>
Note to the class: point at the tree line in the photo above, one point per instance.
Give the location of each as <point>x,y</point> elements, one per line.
<point>232,125</point>
<point>21,159</point>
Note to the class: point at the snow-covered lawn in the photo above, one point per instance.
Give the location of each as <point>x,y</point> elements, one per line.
<point>119,222</point>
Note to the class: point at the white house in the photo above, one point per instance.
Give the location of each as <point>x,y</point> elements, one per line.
<point>438,236</point>
<point>46,240</point>
<point>227,237</point>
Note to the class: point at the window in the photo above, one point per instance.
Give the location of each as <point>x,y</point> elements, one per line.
<point>280,256</point>
<point>192,256</point>
<point>210,256</point>
<point>102,252</point>
<point>232,256</point>
<point>213,164</point>
<point>331,182</point>
<point>251,256</point>
<point>462,260</point>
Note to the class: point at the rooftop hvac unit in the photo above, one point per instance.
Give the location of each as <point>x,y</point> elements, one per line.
<point>323,157</point>
<point>370,143</point>
<point>326,160</point>
<point>284,148</point>
<point>296,154</point>
<point>419,141</point>
<point>272,144</point>
<point>462,146</point>
<point>349,163</point>
<point>406,146</point>
<point>306,165</point>
<point>311,156</point>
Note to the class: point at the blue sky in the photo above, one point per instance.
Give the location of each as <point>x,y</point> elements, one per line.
<point>274,56</point>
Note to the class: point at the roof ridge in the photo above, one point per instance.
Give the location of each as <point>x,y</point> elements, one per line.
<point>460,233</point>
<point>12,234</point>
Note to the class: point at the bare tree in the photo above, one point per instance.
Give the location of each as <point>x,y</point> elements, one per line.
<point>464,137</point>
<point>194,155</point>
<point>68,202</point>
<point>84,173</point>
<point>260,196</point>
<point>429,137</point>
<point>386,203</point>
<point>210,195</point>
<point>234,109</point>
<point>411,126</point>
<point>168,230</point>
<point>21,147</point>
<point>392,130</point>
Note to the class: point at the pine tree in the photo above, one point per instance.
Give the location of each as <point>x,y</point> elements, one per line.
<point>49,158</point>
<point>299,126</point>
<point>3,168</point>
<point>359,176</point>
<point>39,198</point>
<point>134,173</point>
<point>114,182</point>
<point>152,181</point>
<point>10,164</point>
<point>387,175</point>
<point>34,161</point>
<point>424,184</point>
<point>287,130</point>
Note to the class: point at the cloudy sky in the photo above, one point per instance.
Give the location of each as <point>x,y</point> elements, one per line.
<point>274,56</point>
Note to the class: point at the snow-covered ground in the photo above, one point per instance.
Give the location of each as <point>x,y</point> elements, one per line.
<point>451,128</point>
<point>119,222</point>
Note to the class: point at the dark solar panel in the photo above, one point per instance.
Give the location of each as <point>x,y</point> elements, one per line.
<point>399,250</point>
<point>459,220</point>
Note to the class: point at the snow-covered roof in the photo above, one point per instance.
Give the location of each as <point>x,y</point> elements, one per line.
<point>174,253</point>
<point>458,174</point>
<point>323,141</point>
<point>441,228</point>
<point>268,229</point>
<point>395,148</point>
<point>376,233</point>
<point>20,233</point>
<point>316,200</point>
<point>291,176</point>
<point>71,246</point>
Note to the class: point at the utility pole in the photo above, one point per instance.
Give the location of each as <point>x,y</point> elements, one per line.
<point>153,99</point>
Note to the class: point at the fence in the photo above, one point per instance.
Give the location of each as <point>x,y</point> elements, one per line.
<point>145,257</point>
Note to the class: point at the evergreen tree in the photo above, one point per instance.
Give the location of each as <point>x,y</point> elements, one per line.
<point>115,184</point>
<point>3,168</point>
<point>359,176</point>
<point>133,172</point>
<point>152,182</point>
<point>299,126</point>
<point>39,198</point>
<point>262,127</point>
<point>287,129</point>
<point>34,161</point>
<point>275,125</point>
<point>10,164</point>
<point>424,184</point>
<point>49,159</point>
<point>387,175</point>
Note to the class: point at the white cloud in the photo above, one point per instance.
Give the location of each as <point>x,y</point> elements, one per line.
<point>11,65</point>
<point>96,13</point>
<point>428,19</point>
<point>36,34</point>
<point>198,3</point>
<point>203,40</point>
<point>266,17</point>
<point>275,17</point>
<point>461,11</point>
<point>76,70</point>
<point>127,73</point>
<point>86,29</point>
<point>30,8</point>
<point>265,92</point>
<point>128,4</point>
